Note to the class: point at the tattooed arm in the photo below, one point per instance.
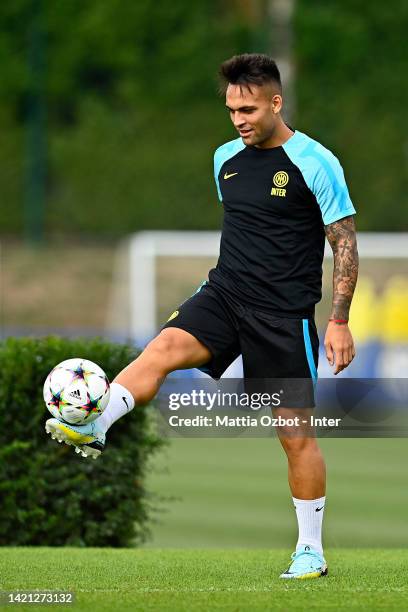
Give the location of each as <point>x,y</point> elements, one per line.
<point>339,342</point>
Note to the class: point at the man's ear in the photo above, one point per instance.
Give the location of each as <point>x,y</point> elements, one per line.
<point>276,103</point>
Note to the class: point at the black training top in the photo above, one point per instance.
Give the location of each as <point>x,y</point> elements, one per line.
<point>276,203</point>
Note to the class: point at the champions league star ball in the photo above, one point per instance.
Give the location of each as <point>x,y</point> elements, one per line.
<point>76,391</point>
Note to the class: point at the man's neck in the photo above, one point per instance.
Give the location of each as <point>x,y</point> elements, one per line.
<point>281,134</point>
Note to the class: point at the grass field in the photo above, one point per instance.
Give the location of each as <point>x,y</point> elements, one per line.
<point>234,493</point>
<point>193,581</point>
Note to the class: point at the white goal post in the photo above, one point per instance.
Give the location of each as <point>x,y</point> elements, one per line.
<point>135,296</point>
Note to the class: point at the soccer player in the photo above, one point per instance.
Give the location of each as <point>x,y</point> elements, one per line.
<point>282,193</point>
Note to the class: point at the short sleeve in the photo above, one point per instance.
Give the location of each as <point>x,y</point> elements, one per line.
<point>323,175</point>
<point>330,189</point>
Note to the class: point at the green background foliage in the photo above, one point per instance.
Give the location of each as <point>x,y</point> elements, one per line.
<point>48,494</point>
<point>351,94</point>
<point>133,117</point>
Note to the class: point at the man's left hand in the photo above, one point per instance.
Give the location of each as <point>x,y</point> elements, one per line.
<point>339,345</point>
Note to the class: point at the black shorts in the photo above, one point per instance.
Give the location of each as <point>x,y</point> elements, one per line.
<point>272,347</point>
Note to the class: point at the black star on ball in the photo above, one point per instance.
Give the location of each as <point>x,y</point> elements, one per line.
<point>91,405</point>
<point>55,399</point>
<point>79,372</point>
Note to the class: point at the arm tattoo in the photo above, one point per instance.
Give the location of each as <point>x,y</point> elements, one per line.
<point>342,238</point>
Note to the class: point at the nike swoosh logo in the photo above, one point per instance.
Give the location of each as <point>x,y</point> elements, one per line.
<point>125,400</point>
<point>318,509</point>
<point>227,176</point>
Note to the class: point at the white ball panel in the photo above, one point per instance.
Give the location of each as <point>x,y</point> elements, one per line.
<point>70,364</point>
<point>46,389</point>
<point>96,386</point>
<point>104,401</point>
<point>54,411</point>
<point>73,414</point>
<point>60,378</point>
<point>90,366</point>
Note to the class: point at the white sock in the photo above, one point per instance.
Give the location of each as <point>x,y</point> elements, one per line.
<point>120,403</point>
<point>309,514</point>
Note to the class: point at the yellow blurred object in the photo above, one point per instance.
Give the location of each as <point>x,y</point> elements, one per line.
<point>393,325</point>
<point>365,311</point>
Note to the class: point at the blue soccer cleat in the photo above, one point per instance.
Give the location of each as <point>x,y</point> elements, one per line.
<point>89,439</point>
<point>306,563</point>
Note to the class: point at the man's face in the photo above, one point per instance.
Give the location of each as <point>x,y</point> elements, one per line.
<point>254,112</point>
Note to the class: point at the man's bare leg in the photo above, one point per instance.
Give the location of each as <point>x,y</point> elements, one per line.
<point>173,349</point>
<point>306,475</point>
<point>306,466</point>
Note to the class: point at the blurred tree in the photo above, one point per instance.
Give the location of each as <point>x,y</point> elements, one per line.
<point>145,51</point>
<point>133,115</point>
<point>130,86</point>
<point>351,94</point>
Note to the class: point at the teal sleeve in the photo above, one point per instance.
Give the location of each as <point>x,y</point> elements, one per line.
<point>323,175</point>
<point>330,189</point>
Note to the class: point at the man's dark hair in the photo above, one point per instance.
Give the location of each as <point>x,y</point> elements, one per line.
<point>249,69</point>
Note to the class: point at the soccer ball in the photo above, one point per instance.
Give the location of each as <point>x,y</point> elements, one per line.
<point>76,391</point>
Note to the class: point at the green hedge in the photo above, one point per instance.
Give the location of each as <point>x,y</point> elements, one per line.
<point>49,495</point>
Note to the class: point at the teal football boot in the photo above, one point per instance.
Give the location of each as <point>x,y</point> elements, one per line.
<point>306,563</point>
<point>88,440</point>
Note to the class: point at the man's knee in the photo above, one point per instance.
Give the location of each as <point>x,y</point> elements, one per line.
<point>165,341</point>
<point>174,348</point>
<point>162,348</point>
<point>295,446</point>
